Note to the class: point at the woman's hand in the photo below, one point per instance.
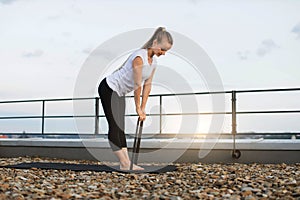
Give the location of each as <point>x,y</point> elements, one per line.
<point>141,113</point>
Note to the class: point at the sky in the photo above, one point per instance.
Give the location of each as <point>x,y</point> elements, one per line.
<point>253,44</point>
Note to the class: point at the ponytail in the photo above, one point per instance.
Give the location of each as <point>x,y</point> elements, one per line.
<point>158,35</point>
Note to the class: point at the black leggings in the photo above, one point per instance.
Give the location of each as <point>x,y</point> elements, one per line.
<point>114,110</point>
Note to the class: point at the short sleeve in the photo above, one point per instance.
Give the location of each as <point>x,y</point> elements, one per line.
<point>139,53</point>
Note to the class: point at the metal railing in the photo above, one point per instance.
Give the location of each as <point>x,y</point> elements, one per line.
<point>96,115</point>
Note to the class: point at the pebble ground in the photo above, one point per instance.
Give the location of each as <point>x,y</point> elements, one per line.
<point>190,181</point>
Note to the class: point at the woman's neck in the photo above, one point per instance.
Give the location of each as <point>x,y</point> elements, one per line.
<point>150,52</point>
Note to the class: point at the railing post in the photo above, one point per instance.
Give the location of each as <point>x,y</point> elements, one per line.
<point>43,117</point>
<point>233,100</point>
<point>96,115</point>
<point>160,114</point>
<point>235,153</point>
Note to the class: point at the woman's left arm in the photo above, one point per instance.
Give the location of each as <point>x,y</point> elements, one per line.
<point>146,90</point>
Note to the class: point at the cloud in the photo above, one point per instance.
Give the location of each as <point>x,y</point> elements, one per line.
<point>36,53</point>
<point>76,9</point>
<point>67,34</point>
<point>266,47</point>
<point>7,2</point>
<point>54,17</point>
<point>296,30</point>
<point>87,50</point>
<point>243,55</point>
<point>194,2</point>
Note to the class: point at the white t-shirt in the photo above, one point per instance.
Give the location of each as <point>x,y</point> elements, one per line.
<point>121,81</point>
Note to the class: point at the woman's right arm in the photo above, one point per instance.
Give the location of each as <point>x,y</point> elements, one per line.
<point>137,65</point>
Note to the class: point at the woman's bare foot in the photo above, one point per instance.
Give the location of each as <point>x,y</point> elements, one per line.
<point>122,154</point>
<point>127,167</point>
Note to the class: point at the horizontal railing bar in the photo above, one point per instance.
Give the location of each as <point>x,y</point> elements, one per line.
<point>156,95</point>
<point>51,116</point>
<point>40,100</point>
<point>22,117</point>
<point>268,112</point>
<point>226,92</point>
<point>47,134</point>
<point>71,116</point>
<point>155,134</point>
<point>183,94</point>
<point>220,134</point>
<point>165,114</point>
<point>216,113</point>
<point>269,90</point>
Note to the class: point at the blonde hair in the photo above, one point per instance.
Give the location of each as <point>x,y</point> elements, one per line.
<point>158,35</point>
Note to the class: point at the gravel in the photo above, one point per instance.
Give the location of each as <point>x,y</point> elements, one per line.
<point>190,181</point>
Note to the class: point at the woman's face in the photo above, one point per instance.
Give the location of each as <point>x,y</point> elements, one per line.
<point>161,48</point>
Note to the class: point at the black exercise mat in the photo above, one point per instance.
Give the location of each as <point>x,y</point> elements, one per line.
<point>89,167</point>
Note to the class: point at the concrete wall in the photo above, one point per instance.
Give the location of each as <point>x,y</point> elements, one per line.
<point>165,151</point>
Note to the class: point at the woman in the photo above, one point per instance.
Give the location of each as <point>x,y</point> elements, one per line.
<point>136,72</point>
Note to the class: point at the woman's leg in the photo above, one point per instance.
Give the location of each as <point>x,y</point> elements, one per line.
<point>121,122</point>
<point>114,110</point>
<point>108,101</point>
